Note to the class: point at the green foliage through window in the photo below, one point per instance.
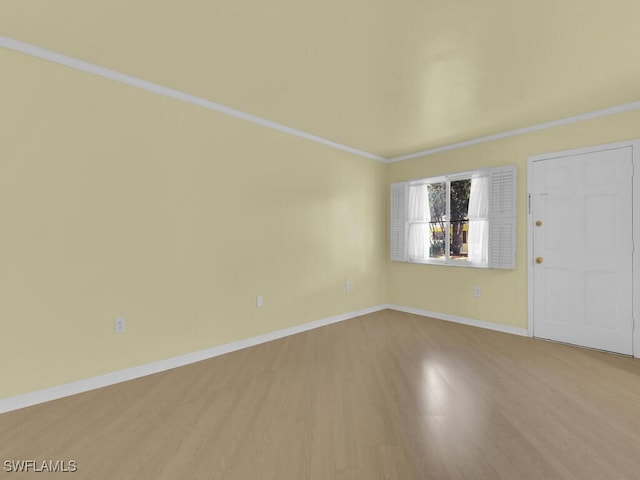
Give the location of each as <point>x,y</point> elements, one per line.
<point>459,208</point>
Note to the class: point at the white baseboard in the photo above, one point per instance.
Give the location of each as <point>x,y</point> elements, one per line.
<point>68,389</point>
<point>465,321</point>
<point>80,386</point>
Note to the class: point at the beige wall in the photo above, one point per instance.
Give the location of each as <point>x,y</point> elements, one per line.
<point>387,77</point>
<point>449,290</point>
<point>118,202</point>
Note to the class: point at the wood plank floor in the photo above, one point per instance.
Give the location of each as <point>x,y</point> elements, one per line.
<point>387,395</point>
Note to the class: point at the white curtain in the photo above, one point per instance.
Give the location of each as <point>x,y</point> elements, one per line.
<point>478,237</point>
<point>419,217</point>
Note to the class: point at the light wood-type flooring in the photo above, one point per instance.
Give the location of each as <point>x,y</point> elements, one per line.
<point>387,395</point>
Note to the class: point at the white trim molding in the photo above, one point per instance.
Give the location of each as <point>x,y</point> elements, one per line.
<point>627,107</point>
<point>87,67</point>
<point>48,55</point>
<point>498,327</point>
<point>60,391</point>
<point>80,386</point>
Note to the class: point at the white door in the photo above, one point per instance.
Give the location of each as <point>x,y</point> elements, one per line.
<point>581,208</point>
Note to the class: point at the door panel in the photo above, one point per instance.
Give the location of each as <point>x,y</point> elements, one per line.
<point>582,289</point>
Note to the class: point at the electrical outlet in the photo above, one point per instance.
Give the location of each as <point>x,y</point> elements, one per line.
<point>259,301</point>
<point>347,286</point>
<point>119,326</point>
<point>477,291</point>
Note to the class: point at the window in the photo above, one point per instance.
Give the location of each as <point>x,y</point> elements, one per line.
<point>462,219</point>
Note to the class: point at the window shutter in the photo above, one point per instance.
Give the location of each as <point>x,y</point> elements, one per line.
<point>399,197</point>
<point>502,218</point>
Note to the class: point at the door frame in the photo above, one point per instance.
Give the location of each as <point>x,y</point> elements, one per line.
<point>635,148</point>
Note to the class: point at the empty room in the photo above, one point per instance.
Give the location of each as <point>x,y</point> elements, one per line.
<point>320,240</point>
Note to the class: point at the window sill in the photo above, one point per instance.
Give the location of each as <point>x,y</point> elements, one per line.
<point>444,263</point>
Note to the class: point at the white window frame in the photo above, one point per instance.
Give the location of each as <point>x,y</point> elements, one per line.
<point>501,218</point>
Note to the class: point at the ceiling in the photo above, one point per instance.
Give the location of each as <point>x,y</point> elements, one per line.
<point>389,78</point>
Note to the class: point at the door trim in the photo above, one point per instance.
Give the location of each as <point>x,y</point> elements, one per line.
<point>635,148</point>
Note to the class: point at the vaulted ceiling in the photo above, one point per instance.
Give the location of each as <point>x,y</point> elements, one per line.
<point>385,77</point>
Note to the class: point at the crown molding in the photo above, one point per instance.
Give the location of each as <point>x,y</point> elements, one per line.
<point>87,67</point>
<point>48,55</point>
<point>521,131</point>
